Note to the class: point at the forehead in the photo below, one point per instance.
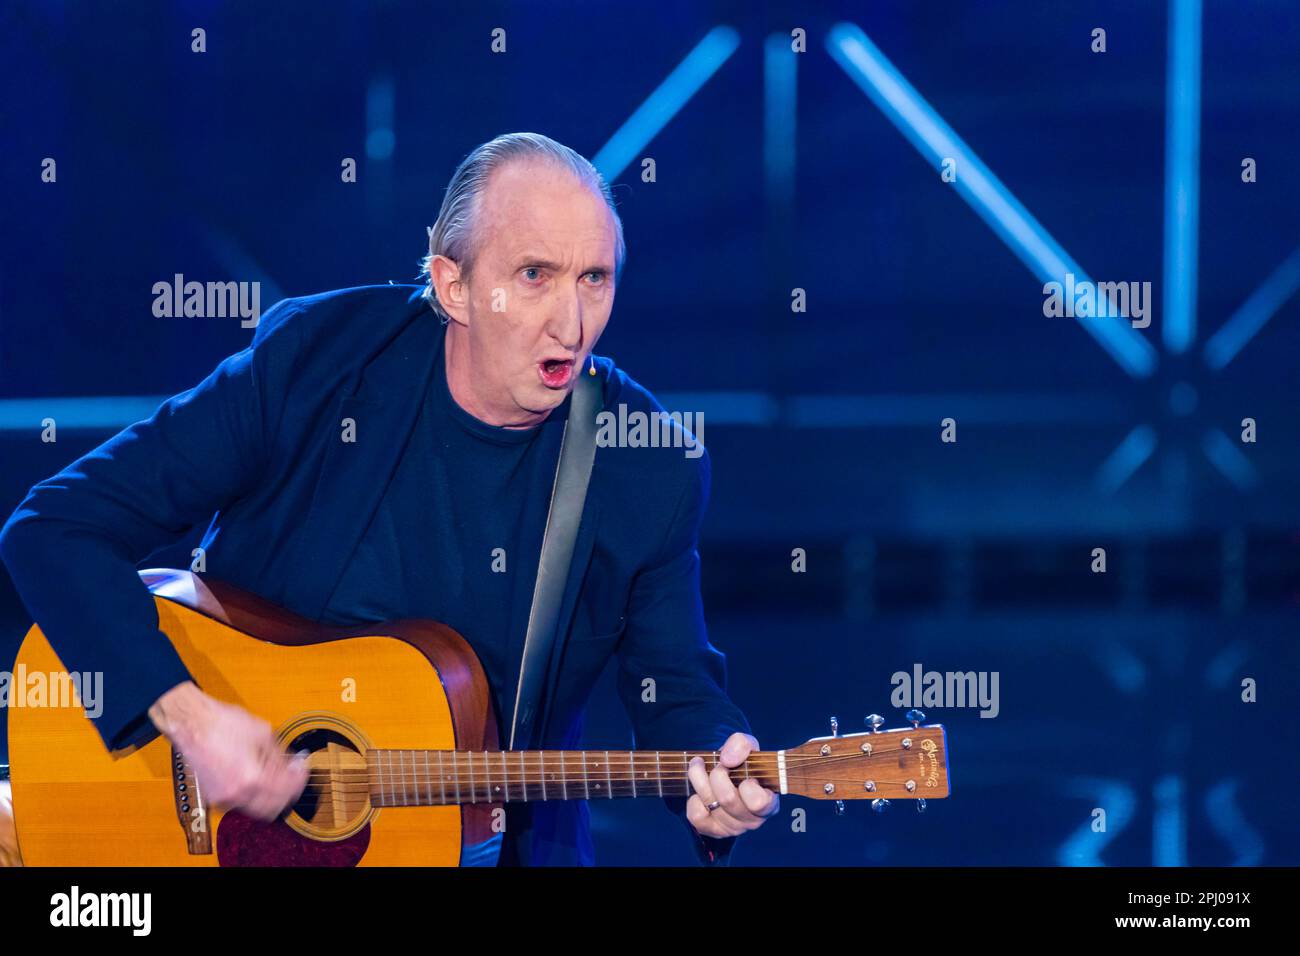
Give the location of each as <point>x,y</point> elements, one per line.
<point>537,206</point>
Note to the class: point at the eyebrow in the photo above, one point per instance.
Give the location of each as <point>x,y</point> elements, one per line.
<point>527,260</point>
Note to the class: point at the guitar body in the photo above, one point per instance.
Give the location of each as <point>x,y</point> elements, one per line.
<point>336,691</point>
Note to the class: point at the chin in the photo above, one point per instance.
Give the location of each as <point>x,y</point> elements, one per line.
<point>542,399</point>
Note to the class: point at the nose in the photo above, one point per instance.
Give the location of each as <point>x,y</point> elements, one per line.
<point>565,320</point>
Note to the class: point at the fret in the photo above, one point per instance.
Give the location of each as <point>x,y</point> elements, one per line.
<point>586,784</point>
<point>401,774</point>
<point>686,772</point>
<point>523,775</point>
<point>609,786</point>
<point>564,777</point>
<point>659,774</point>
<point>631,766</point>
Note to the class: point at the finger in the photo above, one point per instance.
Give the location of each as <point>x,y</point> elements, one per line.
<point>699,778</point>
<point>760,801</point>
<point>724,791</point>
<point>300,770</point>
<point>257,802</point>
<point>281,783</point>
<point>725,825</point>
<point>736,749</point>
<point>698,816</point>
<point>260,808</point>
<point>290,775</point>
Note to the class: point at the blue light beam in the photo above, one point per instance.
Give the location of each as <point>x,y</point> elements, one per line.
<point>1228,458</point>
<point>105,413</point>
<point>780,76</point>
<point>1245,323</point>
<point>1182,176</point>
<point>992,201</point>
<point>1127,458</point>
<point>1084,846</point>
<point>666,101</point>
<point>1169,823</point>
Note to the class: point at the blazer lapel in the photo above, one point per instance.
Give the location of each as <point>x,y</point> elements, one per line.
<point>356,474</point>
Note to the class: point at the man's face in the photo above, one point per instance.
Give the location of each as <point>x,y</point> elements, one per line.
<point>540,290</point>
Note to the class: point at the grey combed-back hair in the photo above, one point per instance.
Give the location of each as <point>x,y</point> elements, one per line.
<point>453,234</point>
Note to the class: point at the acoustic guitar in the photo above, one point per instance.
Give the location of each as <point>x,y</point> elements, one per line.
<point>404,758</point>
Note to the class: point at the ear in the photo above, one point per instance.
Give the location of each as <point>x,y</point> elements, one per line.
<point>452,291</point>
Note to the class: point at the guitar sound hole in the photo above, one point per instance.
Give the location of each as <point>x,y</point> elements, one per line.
<point>337,795</point>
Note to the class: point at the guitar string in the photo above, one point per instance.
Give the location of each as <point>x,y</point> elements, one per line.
<point>621,774</point>
<point>491,758</point>
<point>495,755</point>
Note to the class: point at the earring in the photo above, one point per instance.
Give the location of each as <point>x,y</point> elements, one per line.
<point>592,369</point>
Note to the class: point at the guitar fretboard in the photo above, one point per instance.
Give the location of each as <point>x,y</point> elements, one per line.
<point>401,778</point>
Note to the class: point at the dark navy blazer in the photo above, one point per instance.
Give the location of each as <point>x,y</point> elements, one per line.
<point>254,448</point>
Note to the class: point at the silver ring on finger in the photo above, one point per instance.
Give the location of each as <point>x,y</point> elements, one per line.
<point>713,806</point>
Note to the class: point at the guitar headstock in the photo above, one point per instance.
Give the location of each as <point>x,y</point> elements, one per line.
<point>909,763</point>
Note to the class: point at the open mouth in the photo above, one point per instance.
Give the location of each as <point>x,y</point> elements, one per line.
<point>555,373</point>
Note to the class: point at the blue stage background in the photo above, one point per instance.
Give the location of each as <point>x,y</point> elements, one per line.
<point>777,171</point>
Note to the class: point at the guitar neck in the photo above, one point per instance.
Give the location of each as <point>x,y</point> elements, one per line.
<point>407,778</point>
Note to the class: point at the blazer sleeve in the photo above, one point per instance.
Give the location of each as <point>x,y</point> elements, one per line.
<point>666,641</point>
<point>73,544</point>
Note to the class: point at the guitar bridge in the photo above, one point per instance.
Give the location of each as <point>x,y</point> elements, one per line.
<point>191,811</point>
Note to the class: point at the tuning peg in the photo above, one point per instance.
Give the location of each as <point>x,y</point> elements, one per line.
<point>835,726</point>
<point>920,805</point>
<point>875,722</point>
<point>839,808</point>
<point>879,804</point>
<point>915,716</point>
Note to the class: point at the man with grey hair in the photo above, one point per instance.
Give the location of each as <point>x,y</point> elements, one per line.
<point>457,394</point>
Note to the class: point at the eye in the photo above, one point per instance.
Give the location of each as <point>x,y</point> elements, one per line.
<point>532,273</point>
<point>599,277</point>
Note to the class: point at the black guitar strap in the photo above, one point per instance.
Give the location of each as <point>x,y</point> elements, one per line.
<point>568,495</point>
